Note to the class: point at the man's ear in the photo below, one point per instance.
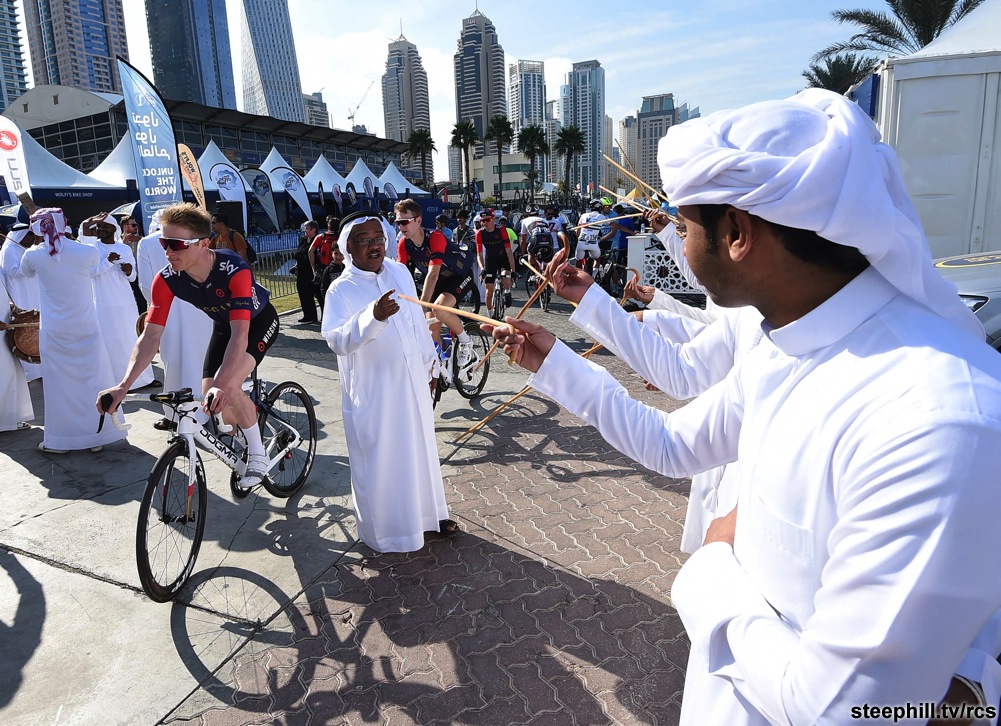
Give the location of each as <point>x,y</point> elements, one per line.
<point>737,230</point>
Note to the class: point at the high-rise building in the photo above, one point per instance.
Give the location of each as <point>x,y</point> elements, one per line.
<point>585,109</point>
<point>609,173</point>
<point>74,43</point>
<point>554,163</point>
<point>527,99</point>
<point>14,81</point>
<point>480,93</point>
<point>316,109</point>
<point>189,46</point>
<point>405,104</point>
<point>655,117</point>
<point>455,162</point>
<point>271,84</point>
<point>628,140</point>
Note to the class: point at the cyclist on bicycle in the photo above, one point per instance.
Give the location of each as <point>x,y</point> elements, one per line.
<point>221,284</point>
<point>589,238</point>
<point>447,269</point>
<point>493,248</point>
<point>551,219</point>
<point>540,243</point>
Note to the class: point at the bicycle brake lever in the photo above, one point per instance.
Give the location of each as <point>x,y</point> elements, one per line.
<point>106,400</point>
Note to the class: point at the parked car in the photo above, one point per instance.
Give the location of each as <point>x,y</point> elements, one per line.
<point>978,278</point>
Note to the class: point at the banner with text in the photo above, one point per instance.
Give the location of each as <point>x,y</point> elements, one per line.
<point>12,164</point>
<point>260,187</point>
<point>294,186</point>
<point>230,185</point>
<point>192,174</point>
<point>153,147</point>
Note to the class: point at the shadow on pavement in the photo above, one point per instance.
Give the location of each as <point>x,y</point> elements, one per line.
<point>20,639</point>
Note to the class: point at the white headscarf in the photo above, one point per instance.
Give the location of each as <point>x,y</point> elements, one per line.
<point>18,232</point>
<point>813,161</point>
<point>49,223</point>
<point>342,238</point>
<point>154,222</point>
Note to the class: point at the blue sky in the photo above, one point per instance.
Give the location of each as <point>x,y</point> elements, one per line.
<point>714,54</point>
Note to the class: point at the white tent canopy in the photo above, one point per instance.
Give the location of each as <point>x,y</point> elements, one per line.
<point>358,174</point>
<point>394,177</point>
<point>118,167</point>
<point>210,157</point>
<point>45,171</point>
<point>323,173</point>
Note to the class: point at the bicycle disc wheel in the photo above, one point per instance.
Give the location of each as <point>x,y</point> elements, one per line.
<point>288,405</point>
<point>168,535</point>
<point>545,298</point>
<point>470,379</point>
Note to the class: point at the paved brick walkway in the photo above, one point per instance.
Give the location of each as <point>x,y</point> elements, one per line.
<point>551,607</point>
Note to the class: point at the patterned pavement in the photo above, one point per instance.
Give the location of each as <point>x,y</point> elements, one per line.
<point>551,607</point>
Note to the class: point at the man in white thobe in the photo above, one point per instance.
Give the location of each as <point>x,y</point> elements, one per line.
<point>75,365</point>
<point>386,361</point>
<point>860,565</point>
<point>23,291</point>
<point>15,399</point>
<point>187,332</point>
<point>116,304</point>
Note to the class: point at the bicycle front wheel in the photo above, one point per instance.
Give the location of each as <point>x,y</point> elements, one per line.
<point>472,377</point>
<point>171,525</point>
<point>288,408</point>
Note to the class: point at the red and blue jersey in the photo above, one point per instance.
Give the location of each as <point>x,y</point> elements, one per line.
<point>228,293</point>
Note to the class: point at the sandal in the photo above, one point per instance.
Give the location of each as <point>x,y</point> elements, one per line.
<point>23,425</point>
<point>448,527</point>
<point>46,450</point>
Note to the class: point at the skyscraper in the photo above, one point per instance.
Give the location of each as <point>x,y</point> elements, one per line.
<point>189,45</point>
<point>628,140</point>
<point>479,76</point>
<point>527,96</point>
<point>316,109</point>
<point>405,105</point>
<point>655,117</point>
<point>553,162</point>
<point>14,81</point>
<point>271,85</point>
<point>585,109</point>
<point>74,42</point>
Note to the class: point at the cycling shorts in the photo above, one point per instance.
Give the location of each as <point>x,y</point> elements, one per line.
<point>261,336</point>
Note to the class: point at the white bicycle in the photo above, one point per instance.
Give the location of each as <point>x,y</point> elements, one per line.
<point>172,510</point>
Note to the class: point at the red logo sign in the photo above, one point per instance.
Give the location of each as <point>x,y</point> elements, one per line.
<point>8,141</point>
<point>220,292</point>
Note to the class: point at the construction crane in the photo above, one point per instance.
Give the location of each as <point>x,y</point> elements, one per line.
<point>351,114</point>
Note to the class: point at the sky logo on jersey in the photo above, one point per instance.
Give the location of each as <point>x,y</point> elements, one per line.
<point>228,267</point>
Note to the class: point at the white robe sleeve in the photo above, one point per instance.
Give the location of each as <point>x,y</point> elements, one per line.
<point>663,301</point>
<point>127,259</point>
<point>907,512</point>
<point>145,271</point>
<point>681,369</point>
<point>697,437</point>
<point>346,332</point>
<point>675,247</point>
<point>422,332</point>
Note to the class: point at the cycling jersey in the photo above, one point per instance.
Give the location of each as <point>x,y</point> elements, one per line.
<point>228,293</point>
<point>494,243</point>
<point>453,258</point>
<point>592,233</point>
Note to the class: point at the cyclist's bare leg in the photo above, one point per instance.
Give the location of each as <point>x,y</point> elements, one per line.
<point>450,319</point>
<point>490,295</point>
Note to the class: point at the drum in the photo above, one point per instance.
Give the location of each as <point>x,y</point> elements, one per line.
<point>23,341</point>
<point>141,323</point>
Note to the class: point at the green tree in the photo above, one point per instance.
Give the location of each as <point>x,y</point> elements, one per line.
<point>569,142</point>
<point>421,144</point>
<point>499,131</point>
<point>464,138</point>
<point>532,143</point>
<point>839,72</point>
<point>907,28</point>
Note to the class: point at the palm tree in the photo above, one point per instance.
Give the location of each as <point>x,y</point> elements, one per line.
<point>907,28</point>
<point>421,144</point>
<point>840,72</point>
<point>499,131</point>
<point>569,141</point>
<point>464,138</point>
<point>532,143</point>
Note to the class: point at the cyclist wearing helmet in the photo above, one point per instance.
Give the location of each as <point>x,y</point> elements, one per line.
<point>589,238</point>
<point>493,248</point>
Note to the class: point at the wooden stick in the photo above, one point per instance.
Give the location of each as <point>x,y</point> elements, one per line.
<point>483,422</point>
<point>526,306</point>
<point>21,325</point>
<point>447,309</point>
<point>632,203</point>
<point>633,169</point>
<point>629,173</point>
<point>604,221</point>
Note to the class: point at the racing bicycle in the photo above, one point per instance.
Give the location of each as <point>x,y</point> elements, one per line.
<point>468,379</point>
<point>172,510</point>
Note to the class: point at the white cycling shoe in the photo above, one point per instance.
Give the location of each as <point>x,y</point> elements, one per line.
<point>257,470</point>
<point>465,354</point>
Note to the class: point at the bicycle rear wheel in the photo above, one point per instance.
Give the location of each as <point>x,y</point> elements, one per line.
<point>168,535</point>
<point>288,405</point>
<point>545,298</point>
<point>471,378</point>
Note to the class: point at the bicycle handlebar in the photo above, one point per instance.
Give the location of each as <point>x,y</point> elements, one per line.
<point>171,398</point>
